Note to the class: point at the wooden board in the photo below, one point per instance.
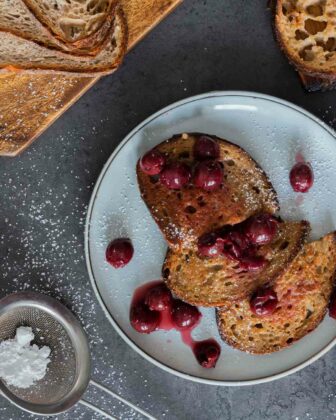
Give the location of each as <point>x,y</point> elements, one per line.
<point>29,104</point>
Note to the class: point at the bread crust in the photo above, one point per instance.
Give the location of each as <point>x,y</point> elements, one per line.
<point>239,346</point>
<point>302,66</point>
<point>314,84</point>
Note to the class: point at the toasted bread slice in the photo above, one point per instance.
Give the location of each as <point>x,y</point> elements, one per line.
<point>184,215</point>
<point>204,281</point>
<point>303,292</point>
<point>21,54</point>
<point>72,21</point>
<point>306,33</point>
<point>17,19</point>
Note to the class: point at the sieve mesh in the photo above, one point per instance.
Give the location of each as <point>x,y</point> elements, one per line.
<point>61,371</point>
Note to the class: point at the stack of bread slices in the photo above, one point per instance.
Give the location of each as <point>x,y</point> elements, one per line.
<point>300,274</point>
<point>76,37</point>
<point>306,33</point>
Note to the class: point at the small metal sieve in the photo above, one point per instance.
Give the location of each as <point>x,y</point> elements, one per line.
<point>68,373</point>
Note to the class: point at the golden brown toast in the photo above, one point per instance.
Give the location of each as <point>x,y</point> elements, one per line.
<point>184,215</point>
<point>306,33</point>
<point>215,281</point>
<point>303,293</point>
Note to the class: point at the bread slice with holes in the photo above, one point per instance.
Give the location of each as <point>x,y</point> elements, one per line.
<point>205,281</point>
<point>18,54</point>
<point>184,215</point>
<point>74,21</point>
<point>305,30</point>
<point>16,18</point>
<point>303,292</point>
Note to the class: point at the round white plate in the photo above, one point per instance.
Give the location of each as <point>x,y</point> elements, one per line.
<point>272,131</point>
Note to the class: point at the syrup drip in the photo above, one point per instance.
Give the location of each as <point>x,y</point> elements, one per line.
<point>299,157</point>
<point>166,323</point>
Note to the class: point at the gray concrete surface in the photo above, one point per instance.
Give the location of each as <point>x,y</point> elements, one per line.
<point>204,45</point>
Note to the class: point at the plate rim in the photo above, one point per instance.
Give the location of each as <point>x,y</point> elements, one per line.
<point>113,322</point>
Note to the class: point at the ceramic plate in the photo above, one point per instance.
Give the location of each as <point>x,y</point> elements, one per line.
<point>273,132</point>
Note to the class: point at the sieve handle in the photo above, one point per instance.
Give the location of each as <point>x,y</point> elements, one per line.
<point>123,400</point>
<point>96,409</point>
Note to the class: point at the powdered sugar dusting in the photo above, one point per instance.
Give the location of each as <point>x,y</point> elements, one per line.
<point>42,249</point>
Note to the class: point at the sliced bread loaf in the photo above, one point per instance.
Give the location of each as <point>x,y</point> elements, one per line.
<point>17,19</point>
<point>205,281</point>
<point>21,54</point>
<point>303,293</point>
<point>184,215</point>
<point>306,32</point>
<point>72,20</point>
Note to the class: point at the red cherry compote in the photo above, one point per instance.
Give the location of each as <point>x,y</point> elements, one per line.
<point>159,298</point>
<point>154,308</point>
<point>119,252</point>
<point>206,148</point>
<point>301,177</point>
<point>152,162</point>
<point>264,301</point>
<point>207,353</point>
<point>175,175</point>
<point>241,242</point>
<point>261,229</point>
<point>252,262</point>
<point>208,175</point>
<point>143,319</point>
<point>210,245</point>
<point>184,315</point>
<point>234,244</point>
<point>332,306</point>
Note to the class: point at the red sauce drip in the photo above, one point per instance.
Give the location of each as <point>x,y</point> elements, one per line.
<point>299,200</point>
<point>166,323</point>
<point>299,157</point>
<point>141,291</point>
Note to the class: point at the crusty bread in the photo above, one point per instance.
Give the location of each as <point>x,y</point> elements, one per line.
<point>303,292</point>
<point>313,84</point>
<point>73,20</point>
<point>184,215</point>
<point>305,30</point>
<point>21,54</point>
<point>17,19</point>
<point>214,281</point>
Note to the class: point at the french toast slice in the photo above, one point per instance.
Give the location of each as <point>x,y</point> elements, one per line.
<point>184,215</point>
<point>210,282</point>
<point>303,292</point>
<point>305,30</point>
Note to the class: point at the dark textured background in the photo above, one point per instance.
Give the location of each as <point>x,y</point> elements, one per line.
<point>202,46</point>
